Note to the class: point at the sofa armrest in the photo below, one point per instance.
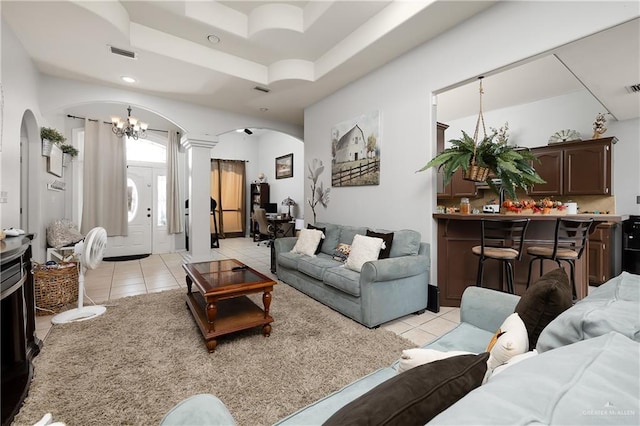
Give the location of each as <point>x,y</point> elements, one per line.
<point>485,308</point>
<point>394,268</point>
<point>284,244</point>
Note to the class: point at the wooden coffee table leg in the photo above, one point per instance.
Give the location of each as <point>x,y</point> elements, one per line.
<point>266,330</point>
<point>189,283</point>
<point>212,311</point>
<point>211,345</point>
<point>266,301</point>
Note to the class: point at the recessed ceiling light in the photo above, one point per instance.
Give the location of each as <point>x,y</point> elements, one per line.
<point>213,39</point>
<point>264,109</point>
<point>128,79</point>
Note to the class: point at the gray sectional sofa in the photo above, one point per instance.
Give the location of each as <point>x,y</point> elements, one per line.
<point>384,290</point>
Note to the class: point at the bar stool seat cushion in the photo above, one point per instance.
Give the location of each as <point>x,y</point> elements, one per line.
<point>562,253</point>
<point>496,252</point>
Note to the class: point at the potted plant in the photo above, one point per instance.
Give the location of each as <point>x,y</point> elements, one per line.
<point>49,137</point>
<point>69,152</point>
<point>509,163</point>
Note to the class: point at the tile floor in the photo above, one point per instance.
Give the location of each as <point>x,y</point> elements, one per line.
<point>113,280</point>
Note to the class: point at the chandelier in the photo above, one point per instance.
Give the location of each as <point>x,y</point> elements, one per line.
<point>132,128</point>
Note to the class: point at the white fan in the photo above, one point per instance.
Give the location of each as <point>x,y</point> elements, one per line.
<point>90,253</point>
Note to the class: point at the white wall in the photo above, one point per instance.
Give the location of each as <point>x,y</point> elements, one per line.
<point>403,89</point>
<point>20,90</point>
<point>273,145</point>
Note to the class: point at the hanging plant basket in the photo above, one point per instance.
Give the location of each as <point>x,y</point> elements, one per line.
<point>66,159</point>
<point>46,147</point>
<point>476,173</point>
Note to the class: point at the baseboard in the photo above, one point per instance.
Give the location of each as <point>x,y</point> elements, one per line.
<point>433,301</point>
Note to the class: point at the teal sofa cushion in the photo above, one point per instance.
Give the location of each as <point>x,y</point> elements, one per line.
<point>315,267</point>
<point>590,382</point>
<point>289,260</point>
<point>614,306</point>
<point>406,242</point>
<point>343,279</point>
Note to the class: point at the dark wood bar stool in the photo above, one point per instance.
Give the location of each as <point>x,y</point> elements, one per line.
<point>500,239</point>
<point>569,242</point>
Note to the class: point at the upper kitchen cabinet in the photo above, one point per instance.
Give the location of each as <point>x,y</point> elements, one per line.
<point>457,187</point>
<point>550,169</point>
<point>574,168</point>
<point>587,167</point>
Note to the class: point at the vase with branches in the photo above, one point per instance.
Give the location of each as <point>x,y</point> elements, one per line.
<point>318,193</point>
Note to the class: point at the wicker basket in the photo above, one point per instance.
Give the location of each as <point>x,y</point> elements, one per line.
<point>55,288</point>
<point>476,173</point>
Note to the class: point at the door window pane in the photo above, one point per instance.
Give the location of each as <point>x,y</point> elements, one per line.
<point>132,199</point>
<point>162,200</point>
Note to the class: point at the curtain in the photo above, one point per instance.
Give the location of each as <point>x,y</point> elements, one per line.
<point>104,192</point>
<point>175,216</point>
<point>228,189</point>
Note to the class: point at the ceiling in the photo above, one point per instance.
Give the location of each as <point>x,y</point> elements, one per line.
<point>300,51</point>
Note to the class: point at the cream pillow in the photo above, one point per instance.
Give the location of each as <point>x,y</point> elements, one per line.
<point>417,356</point>
<point>308,241</point>
<point>510,340</point>
<point>363,249</point>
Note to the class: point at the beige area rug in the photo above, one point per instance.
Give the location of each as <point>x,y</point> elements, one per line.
<point>132,364</point>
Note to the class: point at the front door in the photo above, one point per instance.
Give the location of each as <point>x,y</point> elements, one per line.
<point>140,196</point>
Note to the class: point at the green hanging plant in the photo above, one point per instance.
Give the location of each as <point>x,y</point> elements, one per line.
<point>52,135</point>
<point>69,149</point>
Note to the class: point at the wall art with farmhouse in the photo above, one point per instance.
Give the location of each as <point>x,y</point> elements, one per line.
<point>355,150</point>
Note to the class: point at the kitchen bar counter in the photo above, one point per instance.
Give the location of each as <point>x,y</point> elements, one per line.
<point>458,267</point>
<point>535,216</point>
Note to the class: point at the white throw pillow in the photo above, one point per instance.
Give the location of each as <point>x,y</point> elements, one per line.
<point>510,340</point>
<point>417,356</point>
<point>308,241</point>
<point>363,249</point>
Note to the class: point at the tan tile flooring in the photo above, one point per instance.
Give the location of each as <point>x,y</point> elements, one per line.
<point>113,280</point>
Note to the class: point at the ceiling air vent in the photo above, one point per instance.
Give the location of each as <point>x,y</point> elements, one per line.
<point>122,52</point>
<point>634,88</point>
<point>261,89</point>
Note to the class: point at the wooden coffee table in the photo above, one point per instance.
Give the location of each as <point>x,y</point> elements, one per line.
<point>219,303</point>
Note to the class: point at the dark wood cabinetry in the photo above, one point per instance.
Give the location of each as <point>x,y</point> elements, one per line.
<point>574,168</point>
<point>259,198</point>
<point>457,187</point>
<point>259,195</point>
<point>550,169</point>
<point>604,253</point>
<point>587,168</point>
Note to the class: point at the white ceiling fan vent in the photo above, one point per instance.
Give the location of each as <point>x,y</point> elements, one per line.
<point>122,52</point>
<point>634,88</point>
<point>262,89</point>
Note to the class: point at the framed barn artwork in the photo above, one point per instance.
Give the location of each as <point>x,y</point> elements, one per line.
<point>355,150</point>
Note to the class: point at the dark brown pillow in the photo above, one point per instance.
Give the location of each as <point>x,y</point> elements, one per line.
<point>415,396</point>
<point>387,238</point>
<point>310,226</point>
<point>543,301</point>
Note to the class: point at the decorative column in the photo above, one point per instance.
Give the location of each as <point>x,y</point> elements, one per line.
<point>199,192</point>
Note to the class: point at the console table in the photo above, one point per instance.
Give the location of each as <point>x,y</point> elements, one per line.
<point>17,318</point>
